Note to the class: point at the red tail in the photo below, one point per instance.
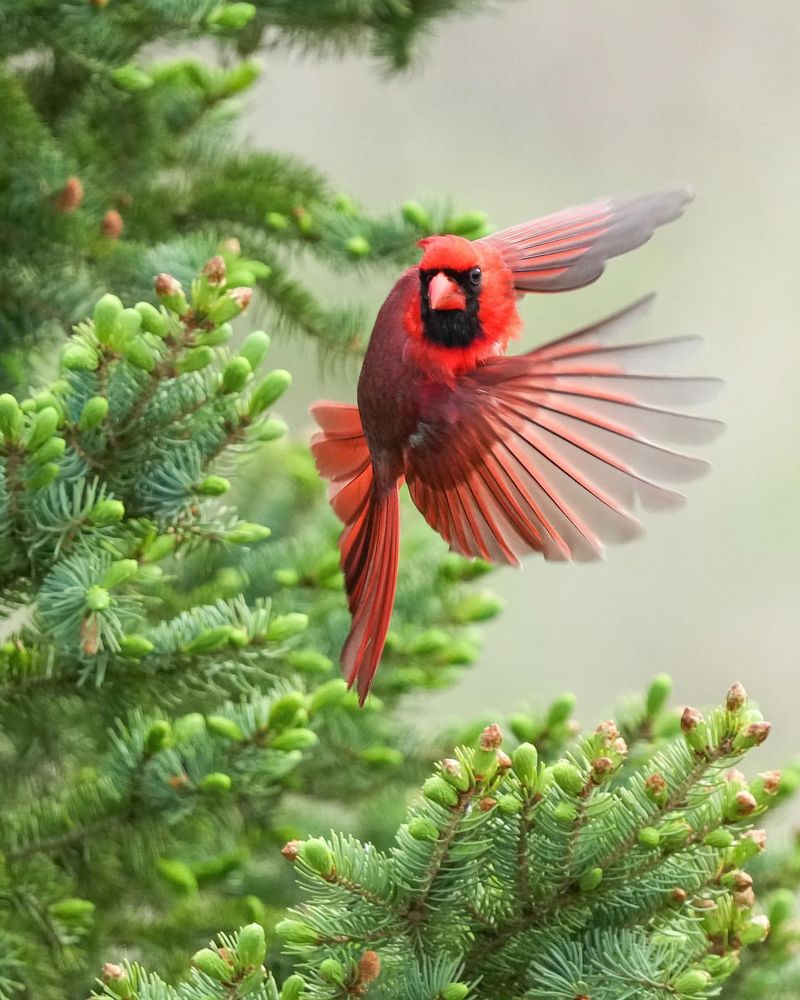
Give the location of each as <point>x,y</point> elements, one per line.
<point>370,541</point>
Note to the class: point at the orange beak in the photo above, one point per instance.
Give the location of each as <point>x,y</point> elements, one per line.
<point>444,293</point>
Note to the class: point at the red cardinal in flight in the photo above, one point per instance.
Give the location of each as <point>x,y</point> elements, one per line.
<point>549,451</point>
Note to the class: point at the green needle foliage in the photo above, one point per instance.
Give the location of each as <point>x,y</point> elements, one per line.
<point>157,706</point>
<point>106,155</point>
<point>613,872</point>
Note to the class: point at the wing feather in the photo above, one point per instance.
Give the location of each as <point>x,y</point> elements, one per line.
<point>556,450</point>
<point>569,249</point>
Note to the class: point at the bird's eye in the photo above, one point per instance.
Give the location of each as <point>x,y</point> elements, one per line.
<point>475,277</point>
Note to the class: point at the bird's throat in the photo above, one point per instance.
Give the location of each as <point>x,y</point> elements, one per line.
<point>456,328</point>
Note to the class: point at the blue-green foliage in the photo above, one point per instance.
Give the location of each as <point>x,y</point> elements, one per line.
<point>160,695</point>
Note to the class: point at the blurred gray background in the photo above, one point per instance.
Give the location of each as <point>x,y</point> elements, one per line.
<point>535,106</point>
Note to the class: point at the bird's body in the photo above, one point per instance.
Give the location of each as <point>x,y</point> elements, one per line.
<point>548,451</point>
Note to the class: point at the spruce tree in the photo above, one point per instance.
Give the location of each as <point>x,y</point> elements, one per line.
<point>174,736</point>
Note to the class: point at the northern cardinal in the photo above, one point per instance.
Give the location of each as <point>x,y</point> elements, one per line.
<point>549,451</point>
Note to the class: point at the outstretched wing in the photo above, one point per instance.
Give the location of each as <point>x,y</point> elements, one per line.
<point>569,249</point>
<point>553,451</point>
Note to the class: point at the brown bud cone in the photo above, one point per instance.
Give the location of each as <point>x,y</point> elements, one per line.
<point>741,880</point>
<point>178,781</point>
<point>90,635</point>
<point>486,804</point>
<point>608,730</point>
<point>736,697</point>
<point>734,774</point>
<point>759,838</point>
<point>491,738</point>
<point>758,731</point>
<point>701,903</point>
<point>70,196</point>
<point>655,784</point>
<point>771,781</point>
<point>290,849</point>
<point>165,284</point>
<point>231,245</point>
<point>620,746</point>
<point>678,896</point>
<point>452,767</point>
<point>603,766</point>
<point>503,760</point>
<point>745,803</point>
<point>690,719</point>
<point>100,4</point>
<point>746,899</point>
<point>215,271</point>
<point>369,967</point>
<point>242,296</point>
<point>112,224</point>
<point>112,972</point>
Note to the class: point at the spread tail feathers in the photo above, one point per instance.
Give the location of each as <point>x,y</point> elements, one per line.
<point>369,544</point>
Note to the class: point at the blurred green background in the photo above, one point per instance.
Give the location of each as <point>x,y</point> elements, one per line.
<point>536,106</point>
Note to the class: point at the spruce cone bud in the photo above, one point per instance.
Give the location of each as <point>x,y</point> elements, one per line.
<point>745,899</point>
<point>740,880</point>
<point>293,988</point>
<point>608,731</point>
<point>734,774</point>
<point>658,694</point>
<point>719,839</point>
<point>753,735</point>
<point>112,972</point>
<point>165,284</point>
<point>691,981</point>
<point>454,773</point>
<point>503,760</point>
<point>231,245</point>
<point>112,224</point>
<point>679,896</point>
<point>251,945</point>
<point>602,767</point>
<point>318,856</point>
<point>755,930</point>
<point>736,697</point>
<point>759,838</point>
<point>649,837</point>
<point>568,777</point>
<point>656,787</point>
<point>770,781</point>
<point>170,292</point>
<point>213,964</point>
<point>290,849</point>
<point>71,195</point>
<point>620,746</point>
<point>421,828</point>
<point>525,761</point>
<point>491,738</point>
<point>242,296</point>
<point>745,803</point>
<point>486,804</point>
<point>438,790</point>
<point>454,991</point>
<point>215,271</point>
<point>690,720</point>
<point>369,967</point>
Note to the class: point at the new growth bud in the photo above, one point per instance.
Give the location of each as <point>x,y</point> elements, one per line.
<point>736,697</point>
<point>369,967</point>
<point>112,224</point>
<point>71,195</point>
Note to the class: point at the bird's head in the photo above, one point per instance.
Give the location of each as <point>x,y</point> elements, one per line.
<point>465,310</point>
